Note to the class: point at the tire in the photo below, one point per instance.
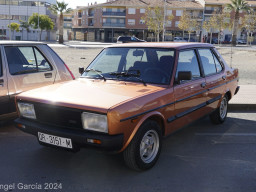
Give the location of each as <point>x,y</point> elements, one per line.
<point>220,114</point>
<point>149,138</point>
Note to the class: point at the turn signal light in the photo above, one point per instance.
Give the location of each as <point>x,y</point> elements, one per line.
<point>95,141</point>
<point>21,126</point>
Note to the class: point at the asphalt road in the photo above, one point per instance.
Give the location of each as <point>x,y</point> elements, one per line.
<point>200,158</point>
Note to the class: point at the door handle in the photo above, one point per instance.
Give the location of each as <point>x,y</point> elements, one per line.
<point>203,85</point>
<point>48,75</point>
<point>224,77</point>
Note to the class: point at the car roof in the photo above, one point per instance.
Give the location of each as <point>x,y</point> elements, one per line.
<point>174,45</point>
<point>21,43</point>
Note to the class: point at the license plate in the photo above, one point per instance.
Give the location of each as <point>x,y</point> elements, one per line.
<point>55,140</point>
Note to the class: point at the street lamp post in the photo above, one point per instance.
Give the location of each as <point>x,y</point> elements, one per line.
<point>164,20</point>
<point>38,23</point>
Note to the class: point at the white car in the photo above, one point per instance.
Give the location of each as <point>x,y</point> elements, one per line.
<point>179,39</point>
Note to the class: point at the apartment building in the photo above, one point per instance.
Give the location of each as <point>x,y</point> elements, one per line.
<point>16,10</point>
<point>217,6</point>
<point>107,21</point>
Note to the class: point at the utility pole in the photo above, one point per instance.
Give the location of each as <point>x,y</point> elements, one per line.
<point>164,20</point>
<point>38,23</point>
<point>9,20</point>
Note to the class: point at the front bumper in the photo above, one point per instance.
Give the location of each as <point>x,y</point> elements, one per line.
<point>112,143</point>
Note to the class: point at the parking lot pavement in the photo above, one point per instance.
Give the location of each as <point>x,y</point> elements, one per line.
<point>200,157</point>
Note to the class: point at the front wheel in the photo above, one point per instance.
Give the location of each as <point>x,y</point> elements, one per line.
<point>220,114</point>
<point>144,149</point>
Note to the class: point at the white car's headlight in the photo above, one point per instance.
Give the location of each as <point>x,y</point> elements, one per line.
<point>27,110</point>
<point>95,122</point>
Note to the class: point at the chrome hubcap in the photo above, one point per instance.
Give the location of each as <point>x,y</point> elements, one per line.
<point>223,108</point>
<point>149,146</point>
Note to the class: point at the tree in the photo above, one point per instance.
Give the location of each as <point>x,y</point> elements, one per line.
<point>154,19</point>
<point>45,22</point>
<point>14,27</point>
<point>221,22</point>
<point>188,23</point>
<point>249,23</point>
<point>25,25</point>
<point>236,6</point>
<point>59,8</point>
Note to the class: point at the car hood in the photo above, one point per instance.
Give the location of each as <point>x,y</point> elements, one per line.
<point>86,94</point>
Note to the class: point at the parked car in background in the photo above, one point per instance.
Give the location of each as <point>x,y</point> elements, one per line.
<point>128,39</point>
<point>129,98</point>
<point>25,66</point>
<point>241,41</point>
<point>179,39</point>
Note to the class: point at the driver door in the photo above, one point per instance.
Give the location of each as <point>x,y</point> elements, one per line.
<point>28,68</point>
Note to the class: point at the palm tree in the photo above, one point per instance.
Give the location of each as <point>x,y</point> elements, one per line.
<point>236,6</point>
<point>59,8</point>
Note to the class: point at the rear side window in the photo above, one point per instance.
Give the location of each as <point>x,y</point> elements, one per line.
<point>210,63</point>
<point>188,62</point>
<point>22,60</point>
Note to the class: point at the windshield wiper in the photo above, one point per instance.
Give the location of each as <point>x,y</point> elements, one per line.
<point>129,75</point>
<point>98,73</point>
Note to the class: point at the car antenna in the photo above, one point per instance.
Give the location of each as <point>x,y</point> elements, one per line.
<point>231,53</point>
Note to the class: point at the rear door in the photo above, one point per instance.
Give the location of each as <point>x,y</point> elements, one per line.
<point>28,68</point>
<point>4,97</point>
<point>214,75</point>
<point>190,98</point>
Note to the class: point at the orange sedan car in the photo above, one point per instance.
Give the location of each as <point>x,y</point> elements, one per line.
<point>129,98</point>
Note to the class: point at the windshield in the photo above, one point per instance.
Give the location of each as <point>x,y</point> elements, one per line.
<point>147,65</point>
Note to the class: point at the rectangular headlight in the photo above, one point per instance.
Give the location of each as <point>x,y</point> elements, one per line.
<point>27,110</point>
<point>95,122</point>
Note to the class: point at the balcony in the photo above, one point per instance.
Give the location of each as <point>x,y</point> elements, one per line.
<point>80,15</point>
<point>212,11</point>
<point>114,13</point>
<point>67,19</point>
<point>90,14</point>
<point>113,24</point>
<point>91,24</point>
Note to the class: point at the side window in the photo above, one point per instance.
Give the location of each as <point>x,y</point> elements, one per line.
<point>188,62</point>
<point>23,60</point>
<point>1,66</point>
<point>207,61</point>
<point>42,63</point>
<point>218,65</point>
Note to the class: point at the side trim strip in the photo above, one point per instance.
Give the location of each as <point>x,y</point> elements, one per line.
<point>137,115</point>
<point>182,114</point>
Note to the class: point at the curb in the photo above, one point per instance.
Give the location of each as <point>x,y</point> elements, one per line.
<point>242,107</point>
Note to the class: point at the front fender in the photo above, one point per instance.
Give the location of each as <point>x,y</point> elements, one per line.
<point>142,120</point>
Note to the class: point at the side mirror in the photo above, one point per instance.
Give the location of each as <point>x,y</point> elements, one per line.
<point>81,70</point>
<point>184,75</point>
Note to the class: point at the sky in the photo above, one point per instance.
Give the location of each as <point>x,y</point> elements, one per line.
<point>74,3</point>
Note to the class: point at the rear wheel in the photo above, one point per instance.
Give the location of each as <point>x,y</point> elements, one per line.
<point>220,114</point>
<point>144,149</point>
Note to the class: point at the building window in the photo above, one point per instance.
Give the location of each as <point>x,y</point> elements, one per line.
<point>142,10</point>
<point>131,21</point>
<point>177,23</point>
<point>169,23</point>
<point>131,11</point>
<point>179,13</point>
<point>169,12</point>
<point>83,12</point>
<point>142,22</point>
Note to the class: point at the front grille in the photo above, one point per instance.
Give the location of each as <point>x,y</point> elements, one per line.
<point>58,116</point>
